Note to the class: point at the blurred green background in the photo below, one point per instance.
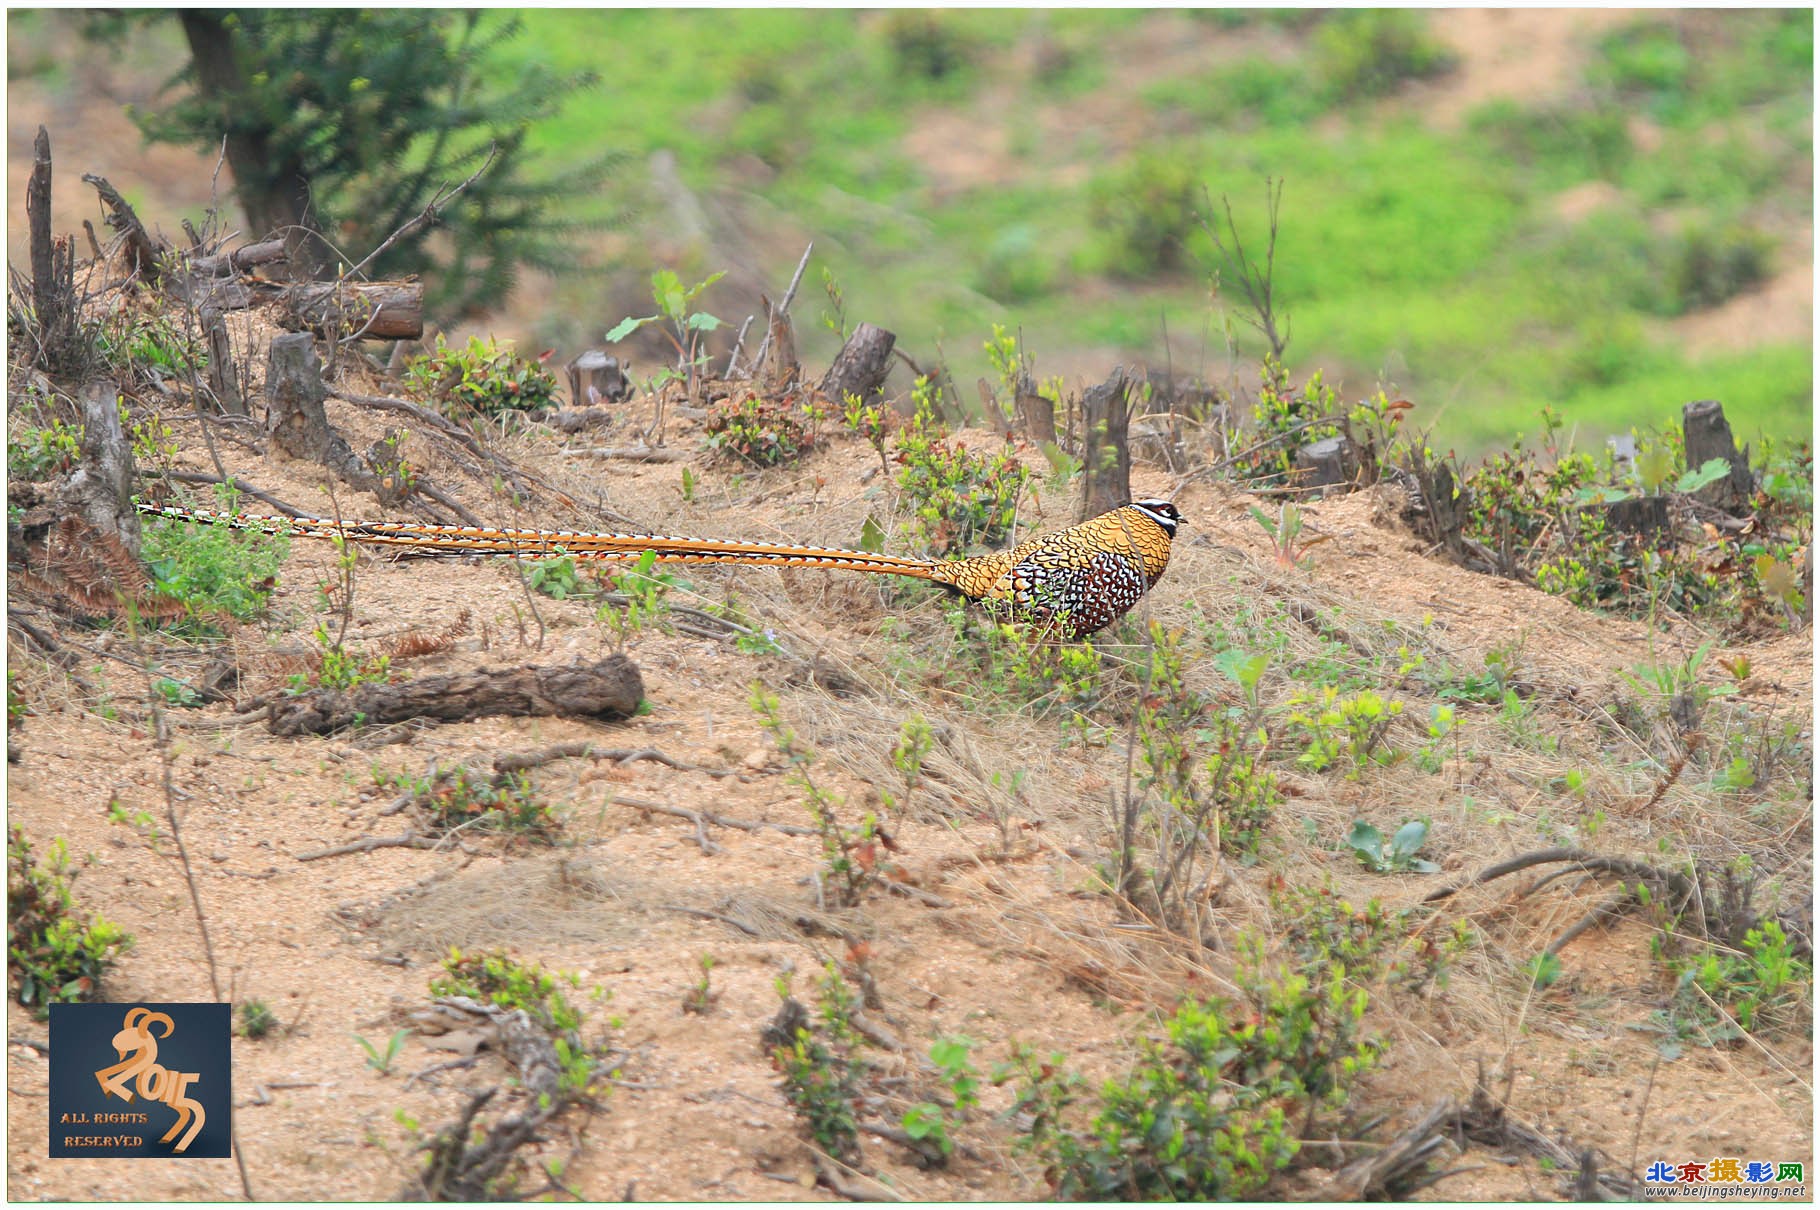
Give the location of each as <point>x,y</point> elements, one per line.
<point>1484,212</point>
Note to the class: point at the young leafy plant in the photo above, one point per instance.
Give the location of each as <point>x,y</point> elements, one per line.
<point>674,307</point>
<point>1399,856</point>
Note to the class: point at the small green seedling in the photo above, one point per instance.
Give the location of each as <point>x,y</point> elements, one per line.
<point>1399,857</point>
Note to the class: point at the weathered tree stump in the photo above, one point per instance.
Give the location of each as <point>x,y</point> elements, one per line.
<point>1708,435</point>
<point>594,377</point>
<point>388,310</point>
<point>610,689</point>
<point>63,348</point>
<point>100,490</point>
<point>294,417</point>
<point>993,410</point>
<point>1638,515</point>
<point>781,368</point>
<point>224,378</point>
<point>1035,414</point>
<point>143,253</point>
<point>861,366</point>
<point>1106,416</point>
<point>1326,463</point>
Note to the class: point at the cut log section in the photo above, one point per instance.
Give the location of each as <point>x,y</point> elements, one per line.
<point>387,310</point>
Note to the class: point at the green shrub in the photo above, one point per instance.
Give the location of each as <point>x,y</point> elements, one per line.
<point>1646,61</point>
<point>1206,1115</point>
<point>39,453</point>
<point>1568,142</point>
<point>486,377</point>
<point>58,953</point>
<point>1018,265</point>
<point>497,978</point>
<point>131,342</point>
<point>760,431</point>
<point>1368,52</point>
<point>1711,264</point>
<point>213,567</point>
<point>823,1069</point>
<point>928,45</point>
<point>958,497</point>
<point>1145,211</point>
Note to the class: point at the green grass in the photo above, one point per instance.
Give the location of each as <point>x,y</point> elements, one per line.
<point>1434,259</point>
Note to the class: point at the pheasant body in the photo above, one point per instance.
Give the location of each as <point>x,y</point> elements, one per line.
<point>1082,578</point>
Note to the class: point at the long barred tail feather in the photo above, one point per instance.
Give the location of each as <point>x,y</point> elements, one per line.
<point>552,543</point>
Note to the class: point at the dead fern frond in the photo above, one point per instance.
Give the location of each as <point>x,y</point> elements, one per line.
<point>85,573</point>
<point>417,644</point>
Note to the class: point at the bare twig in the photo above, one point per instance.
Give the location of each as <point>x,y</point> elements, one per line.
<point>739,342</point>
<point>1257,283</point>
<point>723,821</point>
<point>764,345</point>
<point>515,763</point>
<point>410,840</point>
<point>741,925</point>
<point>427,216</point>
<point>289,510</point>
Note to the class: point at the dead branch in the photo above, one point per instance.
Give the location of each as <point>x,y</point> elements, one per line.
<point>143,252</point>
<point>744,825</point>
<point>517,763</point>
<point>410,840</point>
<point>631,453</point>
<point>289,510</point>
<point>741,925</point>
<point>758,358</point>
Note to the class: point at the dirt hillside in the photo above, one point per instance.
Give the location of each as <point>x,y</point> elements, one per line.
<point>1000,936</point>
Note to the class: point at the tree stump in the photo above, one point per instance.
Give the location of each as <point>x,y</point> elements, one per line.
<point>1325,463</point>
<point>594,377</point>
<point>1638,515</point>
<point>100,490</point>
<point>780,365</point>
<point>1708,435</point>
<point>294,417</point>
<point>610,689</point>
<point>53,273</point>
<point>861,366</point>
<point>1035,414</point>
<point>224,378</point>
<point>1106,416</point>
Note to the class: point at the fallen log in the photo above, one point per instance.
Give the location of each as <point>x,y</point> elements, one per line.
<point>386,310</point>
<point>610,689</point>
<point>226,264</point>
